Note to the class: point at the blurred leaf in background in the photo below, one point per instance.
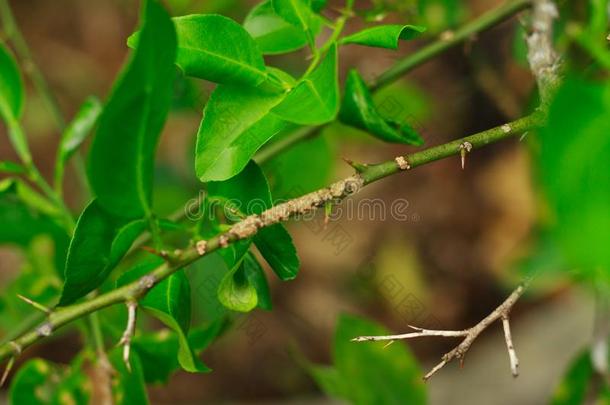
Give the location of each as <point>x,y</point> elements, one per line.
<point>574,171</point>
<point>369,373</point>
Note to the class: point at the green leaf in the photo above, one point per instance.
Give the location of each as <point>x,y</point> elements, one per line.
<point>11,86</point>
<point>297,13</point>
<point>285,173</point>
<point>121,160</point>
<point>11,102</point>
<point>11,167</point>
<point>41,382</point>
<point>158,351</point>
<point>371,372</point>
<point>170,302</point>
<point>216,48</point>
<point>236,292</point>
<point>100,241</point>
<point>318,5</point>
<point>249,193</point>
<point>358,110</point>
<point>315,100</point>
<point>80,127</point>
<point>129,387</point>
<point>574,151</point>
<point>273,34</point>
<point>384,36</point>
<point>275,245</point>
<point>236,124</point>
<point>573,388</point>
<point>256,277</point>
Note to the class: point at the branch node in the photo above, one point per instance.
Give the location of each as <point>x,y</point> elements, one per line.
<point>45,330</point>
<point>402,163</point>
<point>465,149</point>
<point>201,247</point>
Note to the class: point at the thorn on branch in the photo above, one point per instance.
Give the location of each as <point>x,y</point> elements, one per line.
<point>7,370</point>
<point>469,335</point>
<point>35,304</point>
<point>465,149</point>
<point>359,167</point>
<point>130,329</point>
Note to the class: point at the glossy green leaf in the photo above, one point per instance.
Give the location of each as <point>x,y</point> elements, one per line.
<point>256,277</point>
<point>235,125</point>
<point>158,351</point>
<point>315,100</point>
<point>170,302</point>
<point>370,373</point>
<point>11,102</point>
<point>384,36</point>
<point>11,167</point>
<point>216,48</point>
<point>236,292</point>
<point>273,34</point>
<point>358,110</point>
<point>11,86</point>
<point>249,193</point>
<point>129,387</point>
<point>100,241</point>
<point>574,149</point>
<point>275,245</point>
<point>284,170</point>
<point>79,128</point>
<point>297,13</point>
<point>121,160</point>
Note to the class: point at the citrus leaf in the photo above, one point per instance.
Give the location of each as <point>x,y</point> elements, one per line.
<point>273,34</point>
<point>573,168</point>
<point>256,277</point>
<point>100,241</point>
<point>236,292</point>
<point>358,110</point>
<point>235,125</point>
<point>315,100</point>
<point>121,160</point>
<point>384,36</point>
<point>297,13</point>
<point>391,375</point>
<point>216,48</point>
<point>276,246</point>
<point>11,86</point>
<point>79,128</point>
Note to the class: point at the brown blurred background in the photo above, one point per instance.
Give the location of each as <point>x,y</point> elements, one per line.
<point>446,266</point>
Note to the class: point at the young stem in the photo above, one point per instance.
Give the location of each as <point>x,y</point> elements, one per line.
<point>468,31</point>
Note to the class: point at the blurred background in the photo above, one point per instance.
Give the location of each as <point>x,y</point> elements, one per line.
<point>465,240</point>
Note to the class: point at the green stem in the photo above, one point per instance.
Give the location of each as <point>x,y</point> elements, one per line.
<point>449,40</point>
<point>312,201</point>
